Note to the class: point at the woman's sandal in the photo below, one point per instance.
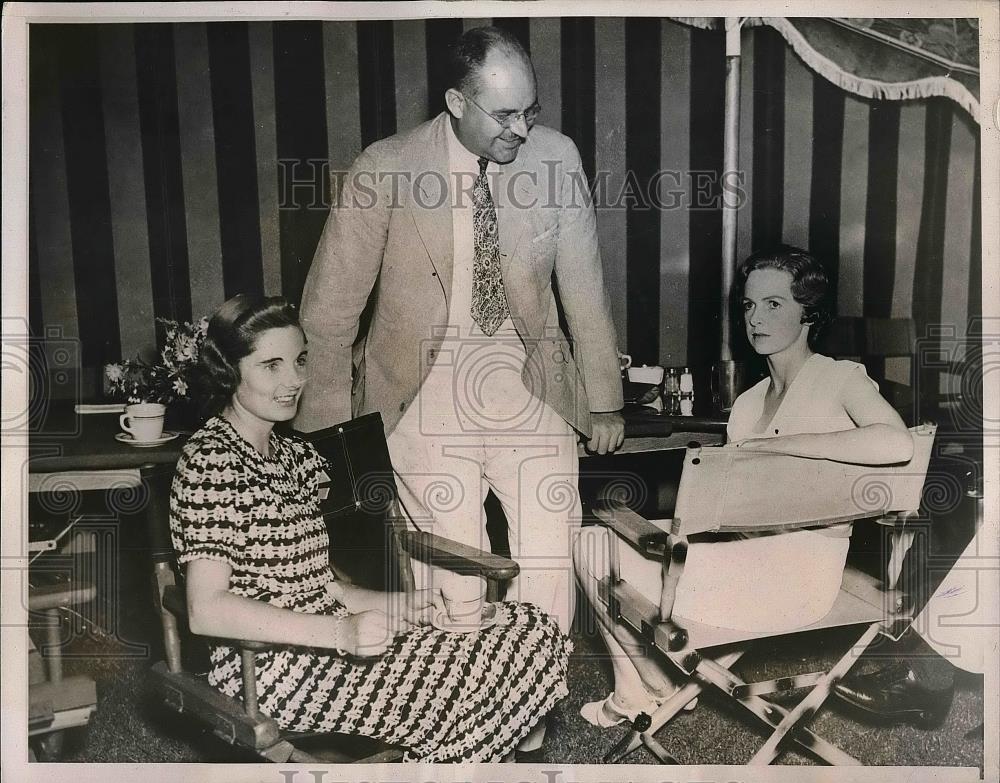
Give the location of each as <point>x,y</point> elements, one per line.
<point>595,714</point>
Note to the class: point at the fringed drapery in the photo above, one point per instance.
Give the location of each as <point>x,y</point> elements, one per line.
<point>883,59</point>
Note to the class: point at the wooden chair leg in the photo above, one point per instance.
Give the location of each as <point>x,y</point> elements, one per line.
<point>902,541</point>
<point>663,715</point>
<point>53,644</point>
<point>770,714</point>
<point>163,577</point>
<point>247,659</point>
<point>808,707</point>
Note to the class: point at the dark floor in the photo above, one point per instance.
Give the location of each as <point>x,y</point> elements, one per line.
<point>130,726</point>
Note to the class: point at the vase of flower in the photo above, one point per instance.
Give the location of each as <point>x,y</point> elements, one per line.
<point>166,379</point>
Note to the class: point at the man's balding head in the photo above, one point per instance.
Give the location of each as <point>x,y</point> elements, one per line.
<point>467,55</point>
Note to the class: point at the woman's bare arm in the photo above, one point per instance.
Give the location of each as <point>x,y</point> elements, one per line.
<point>416,607</point>
<point>215,611</point>
<point>880,438</point>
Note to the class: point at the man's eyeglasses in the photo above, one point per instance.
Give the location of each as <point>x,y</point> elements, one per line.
<point>505,121</point>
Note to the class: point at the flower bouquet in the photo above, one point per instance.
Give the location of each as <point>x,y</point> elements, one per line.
<point>166,380</point>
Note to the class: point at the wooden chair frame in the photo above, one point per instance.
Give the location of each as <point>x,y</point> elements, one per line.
<point>721,491</point>
<point>57,702</point>
<point>361,479</point>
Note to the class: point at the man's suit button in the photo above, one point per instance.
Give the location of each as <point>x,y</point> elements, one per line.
<point>402,406</point>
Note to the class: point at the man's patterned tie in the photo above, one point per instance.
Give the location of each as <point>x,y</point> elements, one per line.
<point>489,303</point>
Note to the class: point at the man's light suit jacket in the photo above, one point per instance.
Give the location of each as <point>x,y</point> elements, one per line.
<point>391,231</point>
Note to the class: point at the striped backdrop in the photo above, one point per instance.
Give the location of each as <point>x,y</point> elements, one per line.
<point>161,156</point>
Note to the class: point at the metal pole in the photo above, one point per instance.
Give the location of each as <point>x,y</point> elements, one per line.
<point>731,162</point>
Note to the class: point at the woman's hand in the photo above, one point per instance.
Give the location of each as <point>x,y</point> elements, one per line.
<point>759,444</point>
<point>368,634</point>
<point>420,606</point>
<point>416,608</point>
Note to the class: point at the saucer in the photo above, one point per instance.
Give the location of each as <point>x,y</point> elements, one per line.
<point>442,622</point>
<point>126,437</point>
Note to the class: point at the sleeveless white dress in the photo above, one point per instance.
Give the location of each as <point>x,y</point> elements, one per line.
<point>773,582</point>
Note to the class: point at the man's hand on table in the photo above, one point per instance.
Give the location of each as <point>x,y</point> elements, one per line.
<point>607,432</point>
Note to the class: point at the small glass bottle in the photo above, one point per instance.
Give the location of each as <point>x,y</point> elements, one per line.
<point>672,393</point>
<point>686,393</point>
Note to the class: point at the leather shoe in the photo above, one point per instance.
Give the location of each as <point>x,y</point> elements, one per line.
<point>895,693</point>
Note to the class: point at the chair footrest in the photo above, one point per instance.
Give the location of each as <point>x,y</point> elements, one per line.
<point>188,693</point>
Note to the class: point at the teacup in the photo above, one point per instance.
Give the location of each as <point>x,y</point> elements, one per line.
<point>143,421</point>
<point>463,612</point>
<point>646,374</point>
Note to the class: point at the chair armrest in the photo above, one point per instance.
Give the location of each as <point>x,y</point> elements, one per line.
<point>901,519</point>
<point>452,556</point>
<point>637,530</point>
<point>58,595</point>
<point>188,693</point>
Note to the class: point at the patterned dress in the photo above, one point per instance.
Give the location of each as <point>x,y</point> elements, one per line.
<point>444,696</point>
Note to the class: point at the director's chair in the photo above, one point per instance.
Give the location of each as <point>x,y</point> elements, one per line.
<point>729,490</point>
<point>369,545</point>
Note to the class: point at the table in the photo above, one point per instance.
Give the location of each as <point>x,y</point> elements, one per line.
<point>647,430</point>
<point>68,441</point>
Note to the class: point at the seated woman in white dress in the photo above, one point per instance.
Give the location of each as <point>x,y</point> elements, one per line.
<point>809,406</point>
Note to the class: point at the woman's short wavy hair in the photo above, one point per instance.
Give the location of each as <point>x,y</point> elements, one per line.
<point>810,283</point>
<point>232,334</point>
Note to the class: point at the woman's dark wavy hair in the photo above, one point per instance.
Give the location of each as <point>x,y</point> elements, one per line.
<point>232,334</point>
<point>810,283</point>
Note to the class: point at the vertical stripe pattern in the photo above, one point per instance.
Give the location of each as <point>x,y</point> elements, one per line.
<point>642,160</point>
<point>768,136</point>
<point>128,197</point>
<point>707,75</point>
<point>672,191</point>
<point>89,197</point>
<point>265,141</point>
<point>235,157</point>
<point>853,208</point>
<point>798,143</point>
<point>174,165</point>
<point>162,171</point>
<point>199,168</point>
<point>50,214</point>
<point>610,179</point>
<point>300,124</point>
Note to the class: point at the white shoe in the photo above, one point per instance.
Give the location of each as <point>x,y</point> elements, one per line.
<point>596,712</point>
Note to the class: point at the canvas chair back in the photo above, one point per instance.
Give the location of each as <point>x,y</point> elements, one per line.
<point>730,490</point>
<point>359,504</point>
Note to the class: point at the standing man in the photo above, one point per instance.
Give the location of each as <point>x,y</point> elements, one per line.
<point>457,226</point>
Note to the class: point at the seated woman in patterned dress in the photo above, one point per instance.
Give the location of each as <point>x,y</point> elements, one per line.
<point>246,525</point>
<point>809,406</point>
